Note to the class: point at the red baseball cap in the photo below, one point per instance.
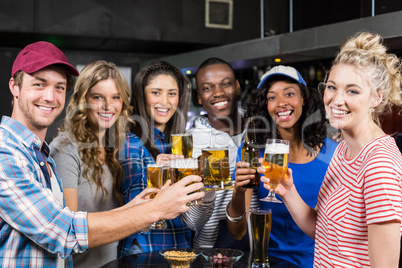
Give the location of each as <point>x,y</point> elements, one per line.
<point>39,55</point>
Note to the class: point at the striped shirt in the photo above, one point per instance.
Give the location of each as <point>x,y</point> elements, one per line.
<point>36,230</point>
<point>356,193</point>
<point>197,218</point>
<point>207,231</point>
<point>135,158</point>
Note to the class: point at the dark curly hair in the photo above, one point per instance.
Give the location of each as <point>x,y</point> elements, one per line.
<point>312,122</point>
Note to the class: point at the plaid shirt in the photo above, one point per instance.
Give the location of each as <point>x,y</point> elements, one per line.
<point>35,229</point>
<point>134,160</point>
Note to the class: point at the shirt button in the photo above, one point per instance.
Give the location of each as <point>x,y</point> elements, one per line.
<point>41,164</point>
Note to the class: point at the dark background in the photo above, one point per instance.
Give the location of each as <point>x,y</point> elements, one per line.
<point>129,32</point>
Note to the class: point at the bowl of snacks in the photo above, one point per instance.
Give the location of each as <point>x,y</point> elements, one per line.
<point>180,257</point>
<point>222,257</point>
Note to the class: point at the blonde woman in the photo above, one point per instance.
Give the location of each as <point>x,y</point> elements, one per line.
<point>87,148</point>
<point>357,220</point>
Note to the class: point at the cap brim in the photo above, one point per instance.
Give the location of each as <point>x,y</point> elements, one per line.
<point>38,66</point>
<point>266,78</point>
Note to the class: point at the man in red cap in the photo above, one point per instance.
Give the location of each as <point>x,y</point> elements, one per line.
<point>36,229</point>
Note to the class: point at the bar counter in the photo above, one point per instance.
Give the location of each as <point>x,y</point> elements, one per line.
<point>154,259</point>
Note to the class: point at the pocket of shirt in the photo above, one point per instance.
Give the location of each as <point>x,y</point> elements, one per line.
<point>337,204</point>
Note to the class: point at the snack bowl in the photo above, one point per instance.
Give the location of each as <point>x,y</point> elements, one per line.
<point>180,257</point>
<point>222,257</point>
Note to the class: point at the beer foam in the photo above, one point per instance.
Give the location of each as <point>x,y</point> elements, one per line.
<point>182,135</point>
<point>184,163</point>
<point>156,166</point>
<point>277,148</point>
<point>258,211</point>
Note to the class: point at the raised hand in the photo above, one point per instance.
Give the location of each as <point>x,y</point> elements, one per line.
<point>283,187</point>
<point>140,198</point>
<point>243,175</point>
<point>172,198</point>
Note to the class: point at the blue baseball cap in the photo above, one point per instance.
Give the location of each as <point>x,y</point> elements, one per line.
<point>284,71</point>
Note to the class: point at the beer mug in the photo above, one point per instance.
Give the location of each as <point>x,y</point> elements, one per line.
<point>180,168</point>
<point>157,175</point>
<point>182,144</point>
<point>216,168</point>
<point>261,222</point>
<point>276,164</point>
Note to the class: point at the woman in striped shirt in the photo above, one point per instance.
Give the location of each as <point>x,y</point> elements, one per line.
<point>357,220</point>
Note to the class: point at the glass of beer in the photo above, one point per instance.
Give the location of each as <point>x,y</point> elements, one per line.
<point>275,163</point>
<point>180,168</point>
<point>182,144</point>
<point>216,169</point>
<point>157,175</point>
<point>261,222</point>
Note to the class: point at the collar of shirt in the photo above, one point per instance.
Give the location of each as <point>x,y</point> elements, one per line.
<point>160,142</point>
<point>158,133</point>
<point>22,133</point>
<point>30,140</point>
<point>202,123</point>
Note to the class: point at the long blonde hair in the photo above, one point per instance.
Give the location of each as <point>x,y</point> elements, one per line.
<point>79,129</point>
<point>366,52</point>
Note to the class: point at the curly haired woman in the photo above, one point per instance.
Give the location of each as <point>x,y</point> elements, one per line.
<point>285,108</point>
<point>86,150</point>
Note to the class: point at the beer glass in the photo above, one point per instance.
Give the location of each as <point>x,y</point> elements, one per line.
<point>180,168</point>
<point>261,222</point>
<point>182,144</point>
<point>216,169</point>
<point>157,175</point>
<point>276,164</point>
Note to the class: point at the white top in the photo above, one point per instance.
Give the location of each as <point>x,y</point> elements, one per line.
<point>61,263</point>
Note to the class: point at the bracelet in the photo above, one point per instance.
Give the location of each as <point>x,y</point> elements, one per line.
<point>237,219</point>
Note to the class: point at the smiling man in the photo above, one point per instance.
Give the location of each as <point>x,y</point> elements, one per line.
<point>36,228</point>
<point>218,92</point>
